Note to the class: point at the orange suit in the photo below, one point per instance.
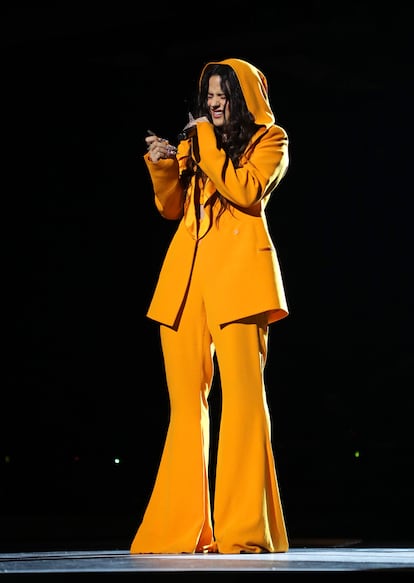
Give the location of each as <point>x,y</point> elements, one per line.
<point>219,288</point>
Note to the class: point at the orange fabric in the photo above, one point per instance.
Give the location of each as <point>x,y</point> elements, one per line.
<point>248,514</point>
<point>245,239</point>
<point>219,287</point>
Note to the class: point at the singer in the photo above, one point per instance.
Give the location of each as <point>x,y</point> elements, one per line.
<point>219,289</point>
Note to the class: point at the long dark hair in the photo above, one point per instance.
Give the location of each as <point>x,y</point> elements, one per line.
<point>234,136</point>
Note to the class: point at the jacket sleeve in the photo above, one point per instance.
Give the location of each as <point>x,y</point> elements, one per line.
<point>262,167</point>
<point>168,192</point>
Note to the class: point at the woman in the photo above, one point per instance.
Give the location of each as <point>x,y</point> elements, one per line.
<point>219,288</point>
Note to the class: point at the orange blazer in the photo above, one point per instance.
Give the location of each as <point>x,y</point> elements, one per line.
<point>245,276</point>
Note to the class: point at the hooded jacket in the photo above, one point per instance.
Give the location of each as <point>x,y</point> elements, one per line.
<point>244,275</point>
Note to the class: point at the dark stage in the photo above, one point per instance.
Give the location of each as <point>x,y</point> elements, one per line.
<point>330,561</point>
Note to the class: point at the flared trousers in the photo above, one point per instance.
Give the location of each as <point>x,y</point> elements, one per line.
<point>248,515</point>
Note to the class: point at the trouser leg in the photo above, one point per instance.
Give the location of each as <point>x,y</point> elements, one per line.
<point>177,518</point>
<point>248,515</point>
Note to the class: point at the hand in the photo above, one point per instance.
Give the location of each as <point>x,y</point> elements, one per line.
<point>159,148</point>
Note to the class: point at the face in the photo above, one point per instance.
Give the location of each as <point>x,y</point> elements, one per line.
<point>217,102</point>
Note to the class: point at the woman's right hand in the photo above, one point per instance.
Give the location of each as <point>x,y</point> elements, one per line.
<point>159,148</point>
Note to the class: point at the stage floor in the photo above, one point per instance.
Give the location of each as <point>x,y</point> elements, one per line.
<point>297,560</point>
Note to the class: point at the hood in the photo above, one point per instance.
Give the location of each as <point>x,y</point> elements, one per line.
<point>255,89</point>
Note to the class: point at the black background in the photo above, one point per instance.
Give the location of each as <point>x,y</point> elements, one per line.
<point>82,382</point>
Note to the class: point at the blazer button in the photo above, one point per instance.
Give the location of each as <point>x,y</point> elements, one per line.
<point>236,232</point>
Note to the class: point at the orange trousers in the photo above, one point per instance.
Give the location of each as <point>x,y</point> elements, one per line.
<point>248,515</point>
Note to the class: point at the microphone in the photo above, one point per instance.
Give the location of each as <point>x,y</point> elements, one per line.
<point>189,130</point>
<point>187,133</point>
